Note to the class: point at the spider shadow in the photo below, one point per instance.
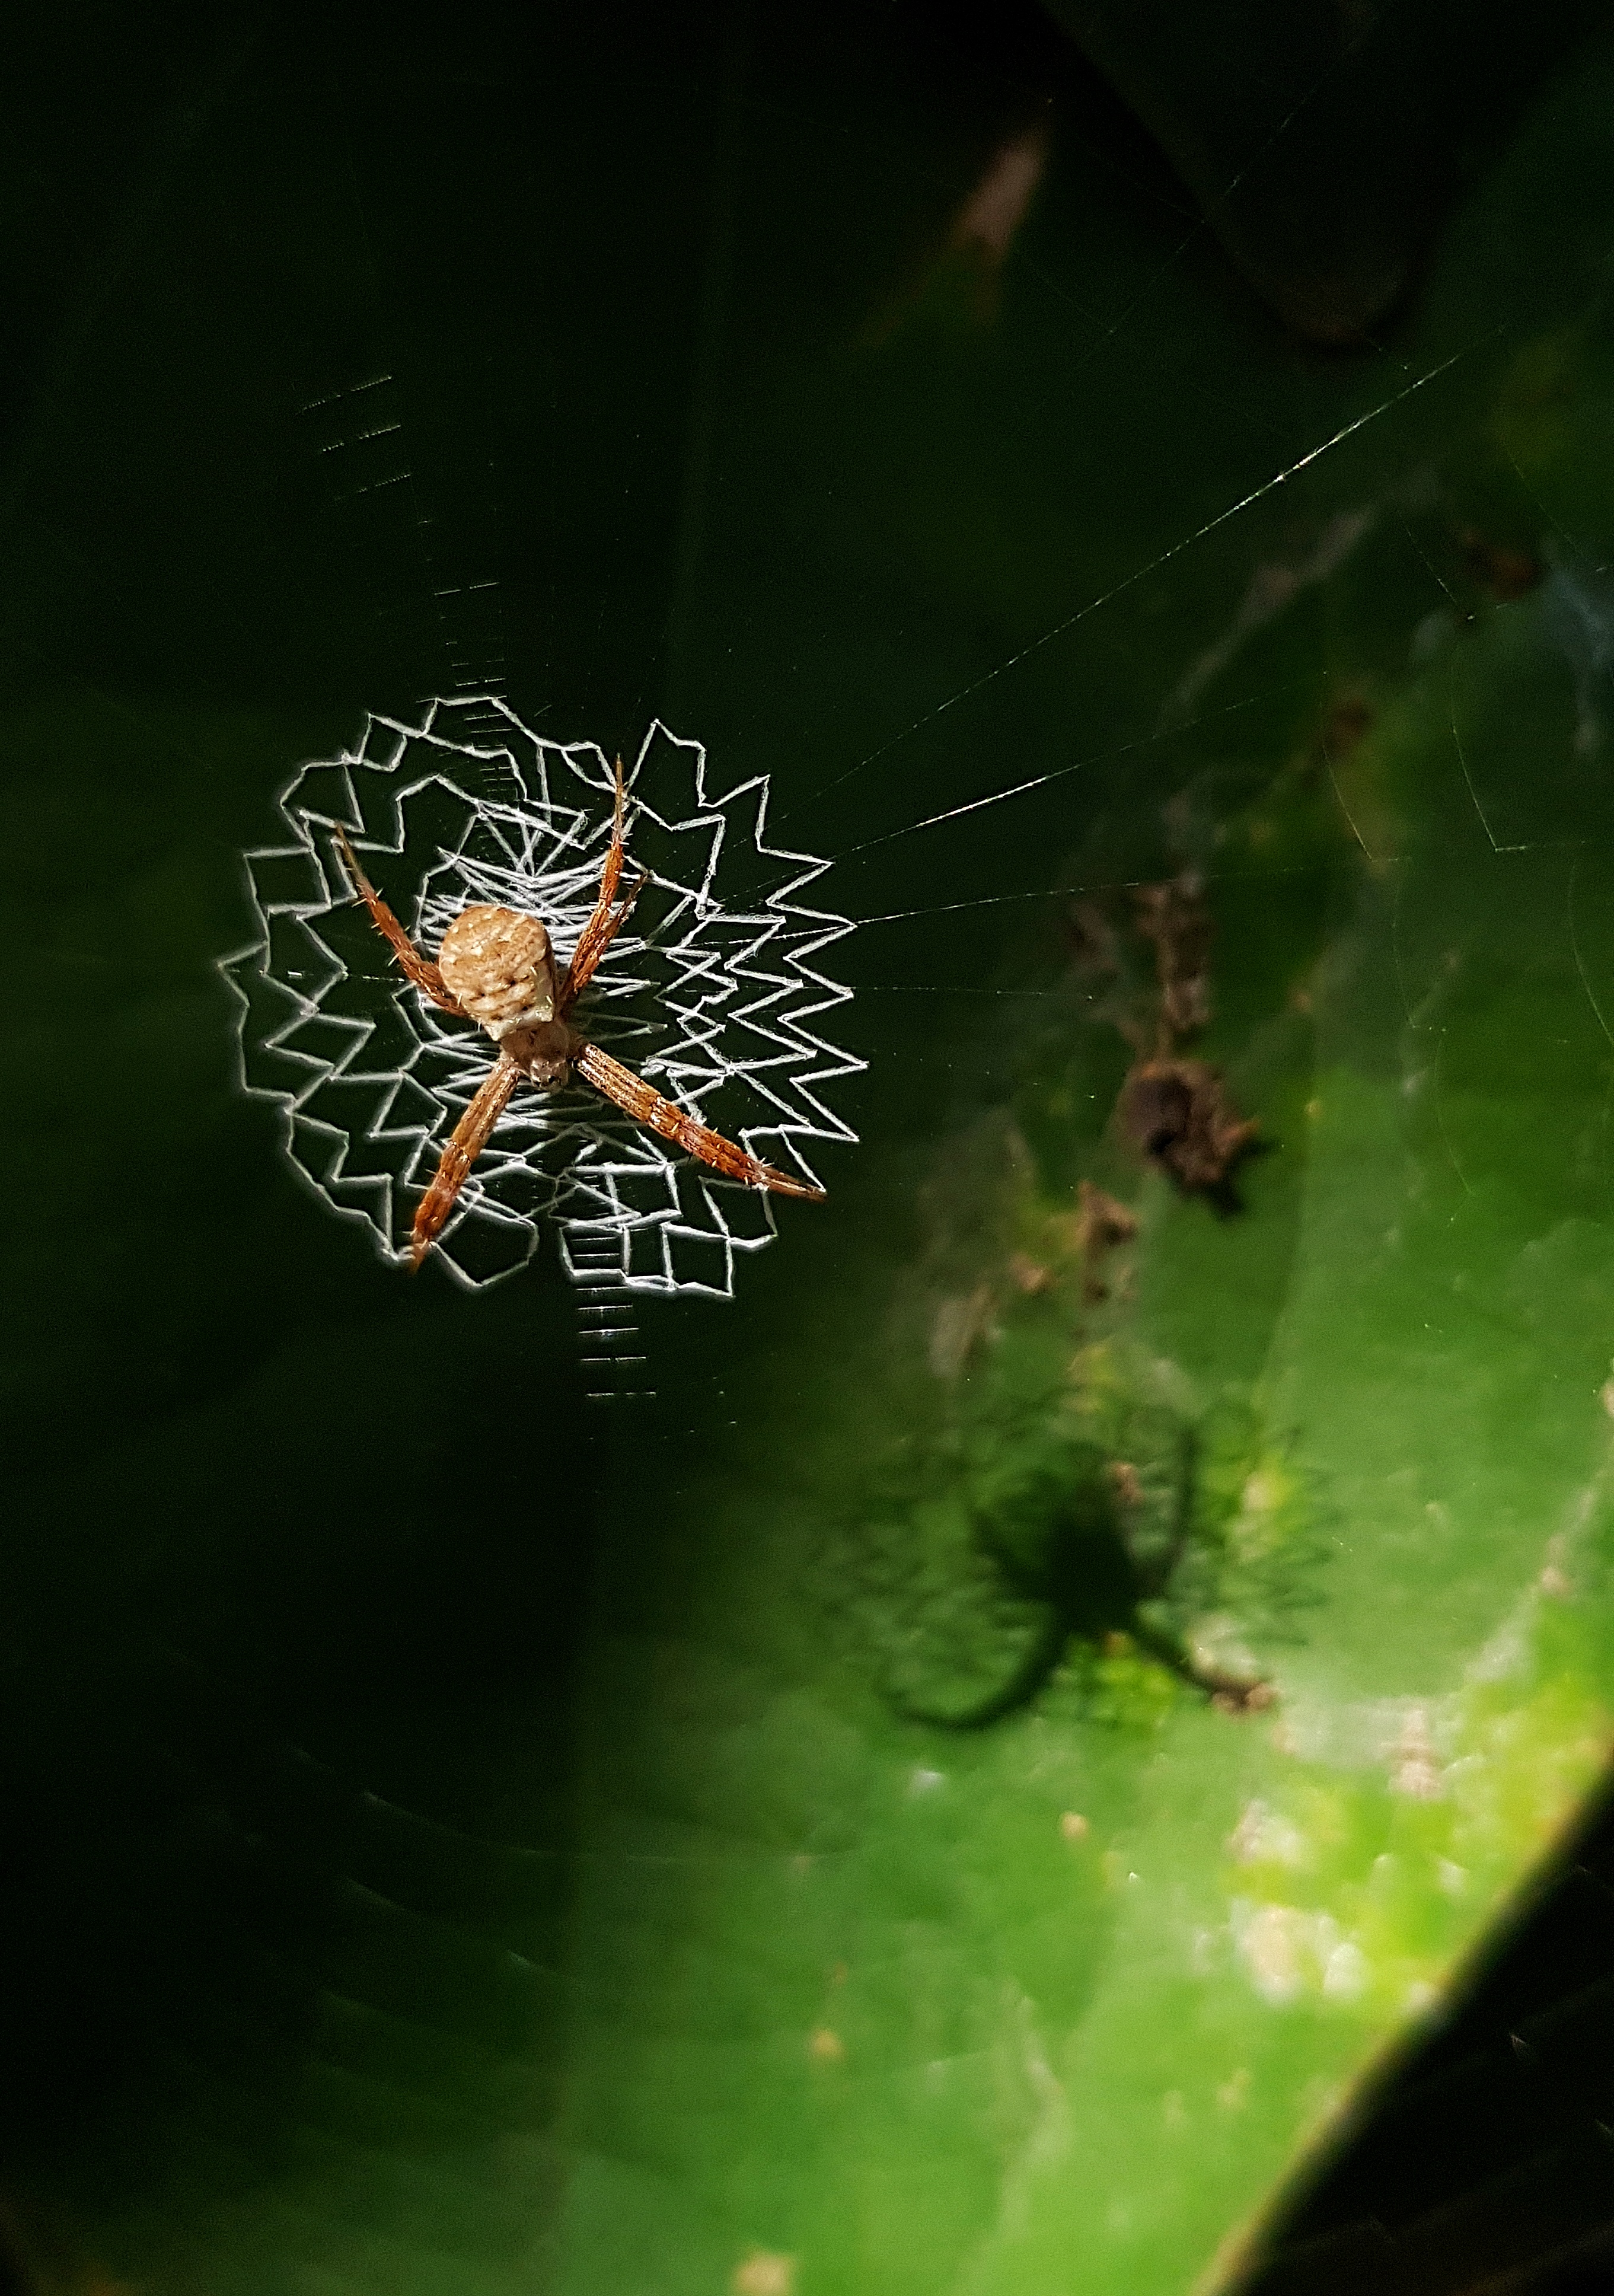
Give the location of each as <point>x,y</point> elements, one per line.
<point>1083,1573</point>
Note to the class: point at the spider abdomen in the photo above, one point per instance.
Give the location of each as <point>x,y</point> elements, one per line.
<point>497,962</point>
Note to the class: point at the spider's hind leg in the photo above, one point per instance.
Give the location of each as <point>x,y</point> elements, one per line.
<point>649,1108</point>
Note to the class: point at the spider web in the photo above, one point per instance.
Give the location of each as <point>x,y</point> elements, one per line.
<point>712,993</point>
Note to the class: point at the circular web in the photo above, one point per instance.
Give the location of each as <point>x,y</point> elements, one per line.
<point>711,993</point>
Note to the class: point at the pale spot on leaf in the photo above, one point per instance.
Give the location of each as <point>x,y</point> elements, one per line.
<point>763,2273</point>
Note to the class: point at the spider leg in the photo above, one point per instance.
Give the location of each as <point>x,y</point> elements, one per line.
<point>606,920</point>
<point>469,1138</point>
<point>647,1106</point>
<point>424,974</point>
<point>1031,1674</point>
<point>598,936</point>
<point>1233,1693</point>
<point>1157,1582</point>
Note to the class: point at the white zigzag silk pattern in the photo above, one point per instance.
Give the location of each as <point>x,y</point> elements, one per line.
<point>711,992</point>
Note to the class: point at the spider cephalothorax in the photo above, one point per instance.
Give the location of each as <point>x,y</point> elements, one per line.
<point>496,966</point>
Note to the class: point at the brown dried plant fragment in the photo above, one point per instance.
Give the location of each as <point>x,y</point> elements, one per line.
<point>1178,1110</point>
<point>1179,1114</point>
<point>1101,1222</point>
<point>1173,916</point>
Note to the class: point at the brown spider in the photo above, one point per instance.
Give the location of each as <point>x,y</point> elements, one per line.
<point>495,966</point>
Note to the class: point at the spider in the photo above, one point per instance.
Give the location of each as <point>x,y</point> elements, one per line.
<point>495,966</point>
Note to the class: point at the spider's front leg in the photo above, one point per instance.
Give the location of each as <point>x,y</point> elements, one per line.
<point>606,920</point>
<point>419,969</point>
